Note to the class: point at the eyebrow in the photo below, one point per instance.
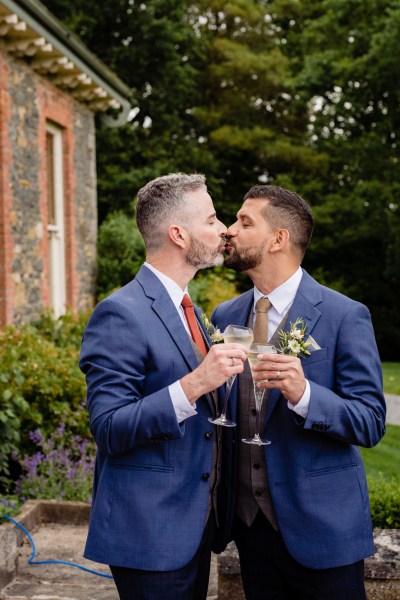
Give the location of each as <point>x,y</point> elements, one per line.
<point>214,214</point>
<point>243,215</point>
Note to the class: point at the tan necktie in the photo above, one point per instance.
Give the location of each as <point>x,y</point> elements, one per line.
<point>261,321</point>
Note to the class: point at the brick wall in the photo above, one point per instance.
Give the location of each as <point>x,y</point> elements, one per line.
<point>27,103</point>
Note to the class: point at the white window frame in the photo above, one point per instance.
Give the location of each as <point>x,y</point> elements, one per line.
<point>56,230</point>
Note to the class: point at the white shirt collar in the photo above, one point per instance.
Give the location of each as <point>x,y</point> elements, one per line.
<point>282,296</point>
<point>174,290</point>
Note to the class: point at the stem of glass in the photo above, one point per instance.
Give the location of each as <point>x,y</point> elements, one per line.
<point>259,395</point>
<point>229,384</point>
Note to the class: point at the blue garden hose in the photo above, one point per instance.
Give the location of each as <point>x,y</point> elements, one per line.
<point>51,562</point>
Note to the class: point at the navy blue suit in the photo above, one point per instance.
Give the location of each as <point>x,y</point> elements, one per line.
<point>152,484</point>
<point>316,475</point>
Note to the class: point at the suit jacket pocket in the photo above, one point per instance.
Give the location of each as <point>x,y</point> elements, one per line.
<point>138,467</point>
<point>315,356</point>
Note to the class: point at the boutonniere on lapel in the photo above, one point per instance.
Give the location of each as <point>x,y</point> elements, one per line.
<point>215,334</point>
<point>293,342</point>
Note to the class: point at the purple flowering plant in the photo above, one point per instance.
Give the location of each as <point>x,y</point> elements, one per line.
<point>60,469</point>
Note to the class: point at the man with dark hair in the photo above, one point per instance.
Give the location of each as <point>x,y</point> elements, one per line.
<point>150,375</point>
<point>300,510</point>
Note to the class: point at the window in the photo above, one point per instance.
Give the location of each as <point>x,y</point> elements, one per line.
<point>55,219</point>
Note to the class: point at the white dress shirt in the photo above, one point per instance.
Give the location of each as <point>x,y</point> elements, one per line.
<point>183,408</point>
<point>282,299</point>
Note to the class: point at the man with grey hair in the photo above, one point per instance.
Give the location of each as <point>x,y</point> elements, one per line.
<point>150,375</point>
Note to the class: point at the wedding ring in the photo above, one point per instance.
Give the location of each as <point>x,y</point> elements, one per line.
<point>278,375</point>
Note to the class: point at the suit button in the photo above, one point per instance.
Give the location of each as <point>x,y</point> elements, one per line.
<point>253,412</point>
<point>205,476</point>
<point>208,435</point>
<point>258,493</point>
<point>256,466</point>
<point>318,426</point>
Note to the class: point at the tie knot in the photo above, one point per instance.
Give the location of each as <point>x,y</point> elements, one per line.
<point>263,305</point>
<point>186,301</point>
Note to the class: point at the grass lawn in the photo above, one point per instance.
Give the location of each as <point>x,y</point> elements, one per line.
<point>385,457</point>
<point>391,377</point>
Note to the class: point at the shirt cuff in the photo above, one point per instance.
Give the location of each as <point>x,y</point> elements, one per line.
<point>182,407</point>
<point>301,408</point>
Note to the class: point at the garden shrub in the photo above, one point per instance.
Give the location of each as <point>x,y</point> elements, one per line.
<point>211,287</point>
<point>385,503</point>
<point>60,469</point>
<point>120,251</point>
<point>40,382</point>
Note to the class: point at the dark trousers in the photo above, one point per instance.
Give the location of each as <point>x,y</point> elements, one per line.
<point>270,573</point>
<point>188,583</point>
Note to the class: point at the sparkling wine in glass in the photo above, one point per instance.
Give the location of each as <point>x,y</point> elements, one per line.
<point>255,350</point>
<point>239,335</point>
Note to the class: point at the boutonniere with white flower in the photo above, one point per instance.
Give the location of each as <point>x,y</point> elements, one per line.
<point>293,342</point>
<point>215,334</point>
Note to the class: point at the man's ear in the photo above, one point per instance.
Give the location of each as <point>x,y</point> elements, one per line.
<point>281,240</point>
<point>177,235</point>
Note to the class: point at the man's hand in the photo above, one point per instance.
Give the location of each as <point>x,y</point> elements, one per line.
<point>284,373</point>
<point>222,361</point>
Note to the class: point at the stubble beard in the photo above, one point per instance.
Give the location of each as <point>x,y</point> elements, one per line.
<point>202,256</point>
<point>245,258</point>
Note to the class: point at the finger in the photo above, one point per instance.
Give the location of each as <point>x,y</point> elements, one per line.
<point>278,358</point>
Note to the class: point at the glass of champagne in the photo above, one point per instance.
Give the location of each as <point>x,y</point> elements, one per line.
<point>255,350</point>
<point>239,335</point>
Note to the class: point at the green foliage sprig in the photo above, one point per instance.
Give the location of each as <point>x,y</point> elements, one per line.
<point>215,334</point>
<point>292,342</point>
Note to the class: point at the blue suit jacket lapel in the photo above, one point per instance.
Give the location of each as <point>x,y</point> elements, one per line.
<point>166,311</point>
<point>304,306</point>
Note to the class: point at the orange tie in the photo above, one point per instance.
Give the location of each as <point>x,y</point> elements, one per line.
<point>193,325</point>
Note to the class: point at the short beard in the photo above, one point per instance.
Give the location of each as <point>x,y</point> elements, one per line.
<point>244,259</point>
<point>202,256</point>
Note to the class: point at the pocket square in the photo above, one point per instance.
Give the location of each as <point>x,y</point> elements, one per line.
<point>313,345</point>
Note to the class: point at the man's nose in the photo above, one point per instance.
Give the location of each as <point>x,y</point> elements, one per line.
<point>222,229</point>
<point>231,232</point>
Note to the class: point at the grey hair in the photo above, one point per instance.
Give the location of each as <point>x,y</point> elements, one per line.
<point>162,200</point>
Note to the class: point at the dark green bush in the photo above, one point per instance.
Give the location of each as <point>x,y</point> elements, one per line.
<point>385,503</point>
<point>120,250</point>
<point>66,331</point>
<point>211,287</point>
<point>40,382</point>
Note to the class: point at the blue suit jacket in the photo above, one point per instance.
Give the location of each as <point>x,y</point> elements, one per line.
<point>151,489</point>
<point>315,470</point>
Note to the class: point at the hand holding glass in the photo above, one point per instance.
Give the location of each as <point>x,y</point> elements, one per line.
<point>255,350</point>
<point>239,335</point>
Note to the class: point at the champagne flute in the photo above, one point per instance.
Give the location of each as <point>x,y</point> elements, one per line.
<point>255,350</point>
<point>239,335</point>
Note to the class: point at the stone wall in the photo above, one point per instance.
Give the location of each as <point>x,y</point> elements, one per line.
<point>27,103</point>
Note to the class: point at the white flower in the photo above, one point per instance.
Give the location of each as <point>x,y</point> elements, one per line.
<point>215,334</point>
<point>294,346</point>
<point>292,342</point>
<point>298,334</point>
<point>216,337</point>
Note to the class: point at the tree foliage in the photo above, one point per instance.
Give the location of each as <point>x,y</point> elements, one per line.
<point>300,94</point>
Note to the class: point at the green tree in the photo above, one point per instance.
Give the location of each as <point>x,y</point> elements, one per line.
<point>347,71</point>
<point>154,49</point>
<point>299,94</point>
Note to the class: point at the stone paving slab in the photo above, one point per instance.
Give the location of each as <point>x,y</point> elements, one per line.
<point>61,582</point>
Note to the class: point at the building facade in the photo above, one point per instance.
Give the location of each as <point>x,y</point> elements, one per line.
<point>51,87</point>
